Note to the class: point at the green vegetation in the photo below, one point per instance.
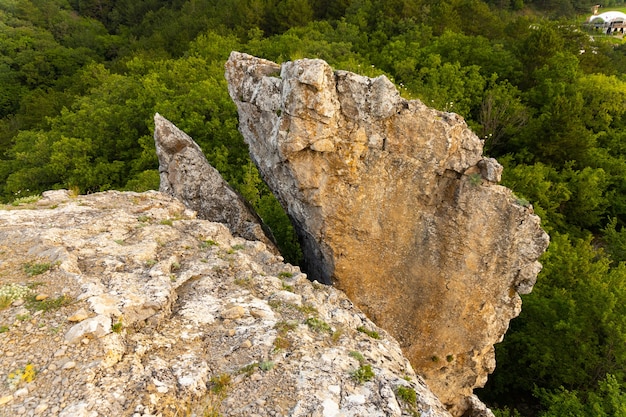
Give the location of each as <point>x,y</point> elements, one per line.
<point>475,179</point>
<point>407,394</point>
<point>208,243</point>
<point>21,376</point>
<point>34,268</point>
<point>284,327</point>
<point>318,325</point>
<point>25,200</point>
<point>49,304</point>
<point>371,333</point>
<point>251,368</point>
<point>281,342</point>
<point>308,309</point>
<point>357,355</point>
<point>266,365</point>
<point>118,326</point>
<point>363,374</point>
<point>23,317</point>
<point>220,383</point>
<point>81,80</point>
<point>12,292</point>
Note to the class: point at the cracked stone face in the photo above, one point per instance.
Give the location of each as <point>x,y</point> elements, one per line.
<point>163,313</point>
<point>393,203</point>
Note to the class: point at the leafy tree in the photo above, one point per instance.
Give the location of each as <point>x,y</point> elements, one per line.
<point>449,86</point>
<point>577,301</point>
<point>609,400</point>
<point>501,116</point>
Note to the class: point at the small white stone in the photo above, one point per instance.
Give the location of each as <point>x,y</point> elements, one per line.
<point>69,365</point>
<point>356,399</point>
<point>97,326</point>
<point>21,392</point>
<point>105,304</point>
<point>331,408</point>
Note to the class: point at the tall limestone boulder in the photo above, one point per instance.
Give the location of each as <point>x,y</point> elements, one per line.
<point>187,175</point>
<point>395,204</point>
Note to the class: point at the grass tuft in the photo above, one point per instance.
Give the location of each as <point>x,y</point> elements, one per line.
<point>318,325</point>
<point>363,374</point>
<point>371,333</point>
<point>220,383</point>
<point>48,304</point>
<point>407,395</point>
<point>34,268</point>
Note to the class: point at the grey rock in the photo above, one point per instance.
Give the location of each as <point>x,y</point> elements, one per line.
<point>174,347</point>
<point>490,169</point>
<point>97,326</point>
<point>187,175</point>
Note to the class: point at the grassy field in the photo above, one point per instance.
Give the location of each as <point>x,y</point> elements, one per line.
<point>612,9</point>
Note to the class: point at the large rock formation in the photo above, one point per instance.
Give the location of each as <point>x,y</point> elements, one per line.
<point>187,175</point>
<point>394,203</point>
<point>152,312</point>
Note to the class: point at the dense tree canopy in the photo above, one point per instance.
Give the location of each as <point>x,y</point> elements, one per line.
<point>80,81</point>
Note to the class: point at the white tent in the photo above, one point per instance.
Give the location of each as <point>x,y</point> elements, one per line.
<point>608,18</point>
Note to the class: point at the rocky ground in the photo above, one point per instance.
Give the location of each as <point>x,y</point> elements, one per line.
<point>124,304</point>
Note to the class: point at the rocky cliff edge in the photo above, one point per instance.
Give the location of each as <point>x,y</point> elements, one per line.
<point>125,304</point>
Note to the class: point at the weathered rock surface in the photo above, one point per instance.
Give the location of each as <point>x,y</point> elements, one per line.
<point>173,316</point>
<point>394,203</point>
<point>187,175</point>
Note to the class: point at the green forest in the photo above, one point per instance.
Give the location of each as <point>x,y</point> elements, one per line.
<point>80,81</point>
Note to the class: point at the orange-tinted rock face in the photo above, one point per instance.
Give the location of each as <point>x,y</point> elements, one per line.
<point>394,203</point>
